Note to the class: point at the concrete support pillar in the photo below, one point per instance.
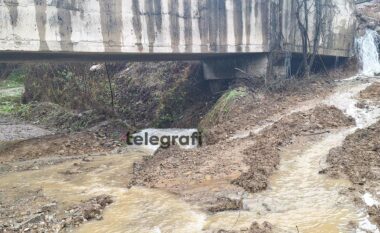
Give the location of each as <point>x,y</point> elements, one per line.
<point>218,86</point>
<point>219,68</point>
<point>253,66</point>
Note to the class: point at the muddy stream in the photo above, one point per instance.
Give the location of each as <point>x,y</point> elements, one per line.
<point>298,197</point>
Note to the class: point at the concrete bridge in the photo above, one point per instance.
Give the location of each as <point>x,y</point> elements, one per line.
<point>165,29</point>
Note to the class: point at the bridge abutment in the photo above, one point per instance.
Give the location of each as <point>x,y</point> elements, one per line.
<point>245,66</point>
<point>230,68</point>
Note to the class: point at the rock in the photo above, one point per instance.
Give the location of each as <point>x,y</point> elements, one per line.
<point>265,228</point>
<point>87,159</point>
<point>104,200</point>
<point>33,219</point>
<point>226,204</point>
<point>361,105</point>
<point>378,30</point>
<point>371,25</point>
<point>91,211</point>
<point>87,211</point>
<point>266,206</point>
<point>49,207</point>
<point>255,228</point>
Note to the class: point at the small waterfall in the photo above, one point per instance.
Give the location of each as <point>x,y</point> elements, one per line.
<point>368,53</point>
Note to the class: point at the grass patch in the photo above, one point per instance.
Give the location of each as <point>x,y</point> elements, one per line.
<point>10,104</point>
<point>223,106</point>
<point>11,90</point>
<point>14,80</point>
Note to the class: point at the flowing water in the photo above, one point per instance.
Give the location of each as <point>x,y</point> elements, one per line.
<point>367,47</point>
<point>299,197</point>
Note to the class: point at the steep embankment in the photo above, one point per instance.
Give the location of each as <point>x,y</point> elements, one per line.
<point>141,94</point>
<point>244,108</point>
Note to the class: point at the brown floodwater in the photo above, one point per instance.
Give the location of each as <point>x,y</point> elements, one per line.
<point>298,197</point>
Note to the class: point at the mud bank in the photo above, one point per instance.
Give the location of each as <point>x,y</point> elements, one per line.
<point>359,159</point>
<point>359,156</point>
<point>244,108</point>
<point>254,228</point>
<point>229,168</point>
<point>371,93</point>
<point>41,215</point>
<point>35,153</point>
<point>263,156</point>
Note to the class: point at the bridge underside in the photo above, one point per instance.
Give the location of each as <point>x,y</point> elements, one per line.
<point>216,66</point>
<point>181,29</point>
<point>32,57</point>
<point>225,34</point>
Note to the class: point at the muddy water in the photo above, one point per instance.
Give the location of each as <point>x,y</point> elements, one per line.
<point>300,199</point>
<point>74,181</point>
<point>135,210</point>
<point>145,210</point>
<point>297,197</point>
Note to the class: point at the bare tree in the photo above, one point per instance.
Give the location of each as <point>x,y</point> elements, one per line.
<point>309,48</point>
<point>110,86</point>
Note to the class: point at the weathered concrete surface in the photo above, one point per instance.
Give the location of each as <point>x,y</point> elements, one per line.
<point>172,28</point>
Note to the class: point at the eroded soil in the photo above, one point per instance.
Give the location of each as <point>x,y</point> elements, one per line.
<point>68,179</point>
<point>261,107</point>
<point>359,160</point>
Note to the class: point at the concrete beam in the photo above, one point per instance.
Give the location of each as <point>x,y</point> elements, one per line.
<point>162,28</point>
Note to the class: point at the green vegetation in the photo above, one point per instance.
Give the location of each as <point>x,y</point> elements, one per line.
<point>14,80</point>
<point>229,97</point>
<point>11,90</point>
<point>223,106</point>
<point>9,104</point>
<point>56,116</point>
